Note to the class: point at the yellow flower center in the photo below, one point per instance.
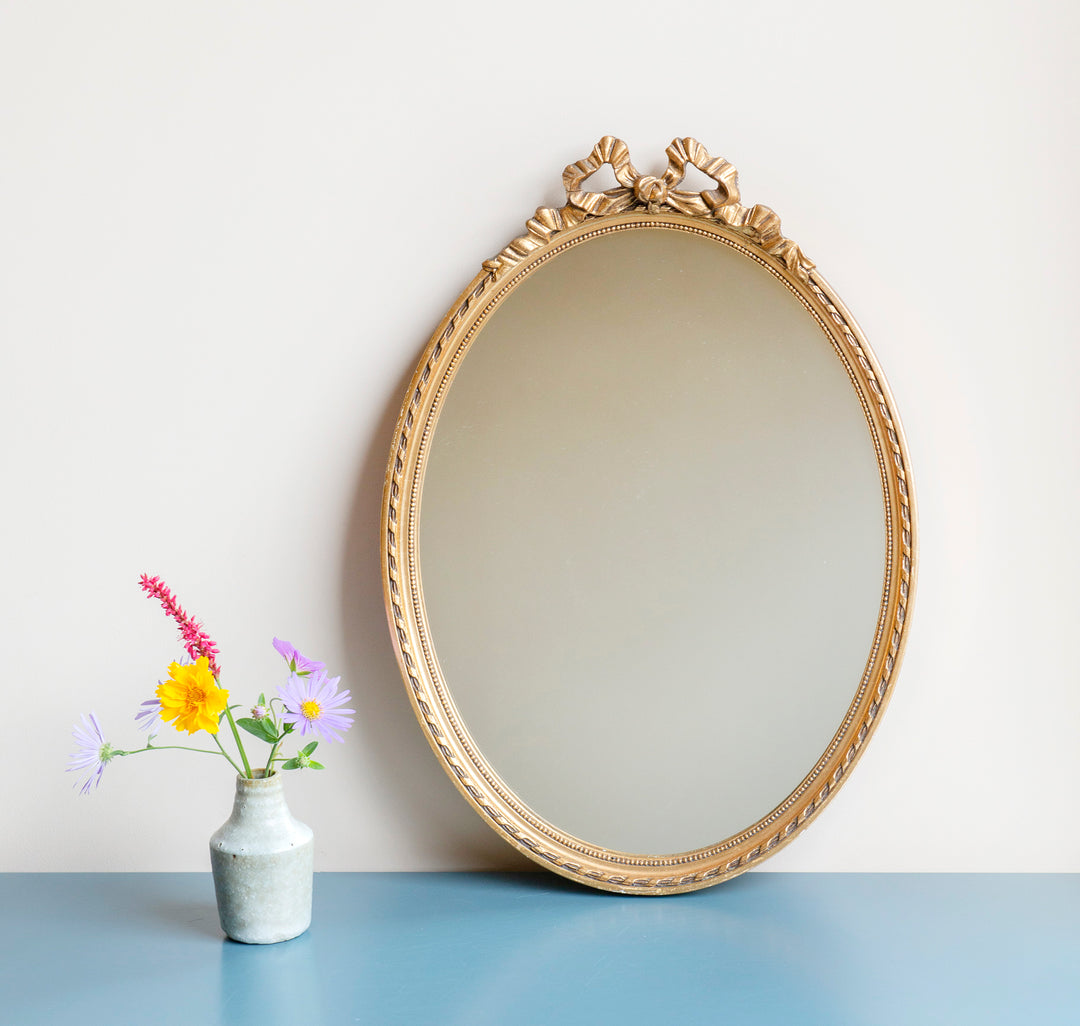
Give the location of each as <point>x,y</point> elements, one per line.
<point>311,709</point>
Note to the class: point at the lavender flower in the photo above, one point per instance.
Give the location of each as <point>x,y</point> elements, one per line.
<point>150,713</point>
<point>314,704</point>
<point>297,663</point>
<point>94,752</point>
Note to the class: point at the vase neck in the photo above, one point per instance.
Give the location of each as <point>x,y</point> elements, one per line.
<point>260,788</point>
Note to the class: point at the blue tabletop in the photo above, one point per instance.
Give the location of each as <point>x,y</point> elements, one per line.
<point>524,948</point>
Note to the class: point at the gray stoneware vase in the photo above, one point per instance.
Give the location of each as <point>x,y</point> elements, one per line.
<point>263,863</point>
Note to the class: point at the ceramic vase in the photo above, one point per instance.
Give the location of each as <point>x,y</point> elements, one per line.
<point>263,864</point>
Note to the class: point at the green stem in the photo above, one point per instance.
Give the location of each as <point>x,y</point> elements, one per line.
<point>270,761</point>
<point>232,763</point>
<point>277,743</point>
<point>183,748</point>
<point>239,744</point>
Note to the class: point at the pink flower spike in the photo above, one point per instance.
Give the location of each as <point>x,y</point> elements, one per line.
<point>196,641</point>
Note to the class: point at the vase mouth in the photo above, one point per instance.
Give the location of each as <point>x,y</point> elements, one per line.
<point>258,776</point>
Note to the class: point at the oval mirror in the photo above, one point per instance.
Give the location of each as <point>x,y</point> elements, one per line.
<point>648,534</point>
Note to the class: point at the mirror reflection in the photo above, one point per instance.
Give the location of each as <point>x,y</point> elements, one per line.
<point>652,540</point>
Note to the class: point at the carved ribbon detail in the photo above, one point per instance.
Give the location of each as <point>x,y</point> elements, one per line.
<point>635,191</point>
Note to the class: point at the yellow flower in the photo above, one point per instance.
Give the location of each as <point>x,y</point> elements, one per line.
<point>191,697</point>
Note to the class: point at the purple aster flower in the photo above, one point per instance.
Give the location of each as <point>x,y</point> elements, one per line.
<point>94,752</point>
<point>314,704</point>
<point>297,663</point>
<point>149,713</point>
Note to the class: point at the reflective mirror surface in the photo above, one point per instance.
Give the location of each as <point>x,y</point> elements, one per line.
<point>652,540</point>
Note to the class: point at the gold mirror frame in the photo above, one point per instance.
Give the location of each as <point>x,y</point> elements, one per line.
<point>639,201</point>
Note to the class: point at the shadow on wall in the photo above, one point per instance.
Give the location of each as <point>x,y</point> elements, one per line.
<point>436,822</point>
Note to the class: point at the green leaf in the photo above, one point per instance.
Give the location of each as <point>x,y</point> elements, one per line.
<point>316,765</point>
<point>309,748</point>
<point>291,764</point>
<point>262,698</point>
<point>260,728</point>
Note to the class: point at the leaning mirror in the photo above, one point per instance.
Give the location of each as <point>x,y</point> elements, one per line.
<point>648,533</point>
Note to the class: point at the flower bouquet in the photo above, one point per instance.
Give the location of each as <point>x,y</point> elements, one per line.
<point>261,857</point>
<point>192,700</point>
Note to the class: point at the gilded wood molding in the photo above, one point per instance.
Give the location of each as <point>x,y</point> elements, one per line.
<point>758,223</point>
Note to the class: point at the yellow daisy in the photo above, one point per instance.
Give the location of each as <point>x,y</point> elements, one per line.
<point>191,697</point>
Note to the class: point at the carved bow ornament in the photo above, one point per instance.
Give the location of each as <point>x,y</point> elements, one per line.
<point>637,192</point>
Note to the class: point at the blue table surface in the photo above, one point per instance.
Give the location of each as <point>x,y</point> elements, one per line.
<point>522,948</point>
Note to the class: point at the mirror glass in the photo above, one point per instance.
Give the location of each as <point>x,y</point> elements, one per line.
<point>652,540</point>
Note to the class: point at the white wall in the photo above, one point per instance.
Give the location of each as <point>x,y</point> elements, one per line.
<point>226,231</point>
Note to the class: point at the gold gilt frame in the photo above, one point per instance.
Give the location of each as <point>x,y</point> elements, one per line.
<point>639,201</point>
